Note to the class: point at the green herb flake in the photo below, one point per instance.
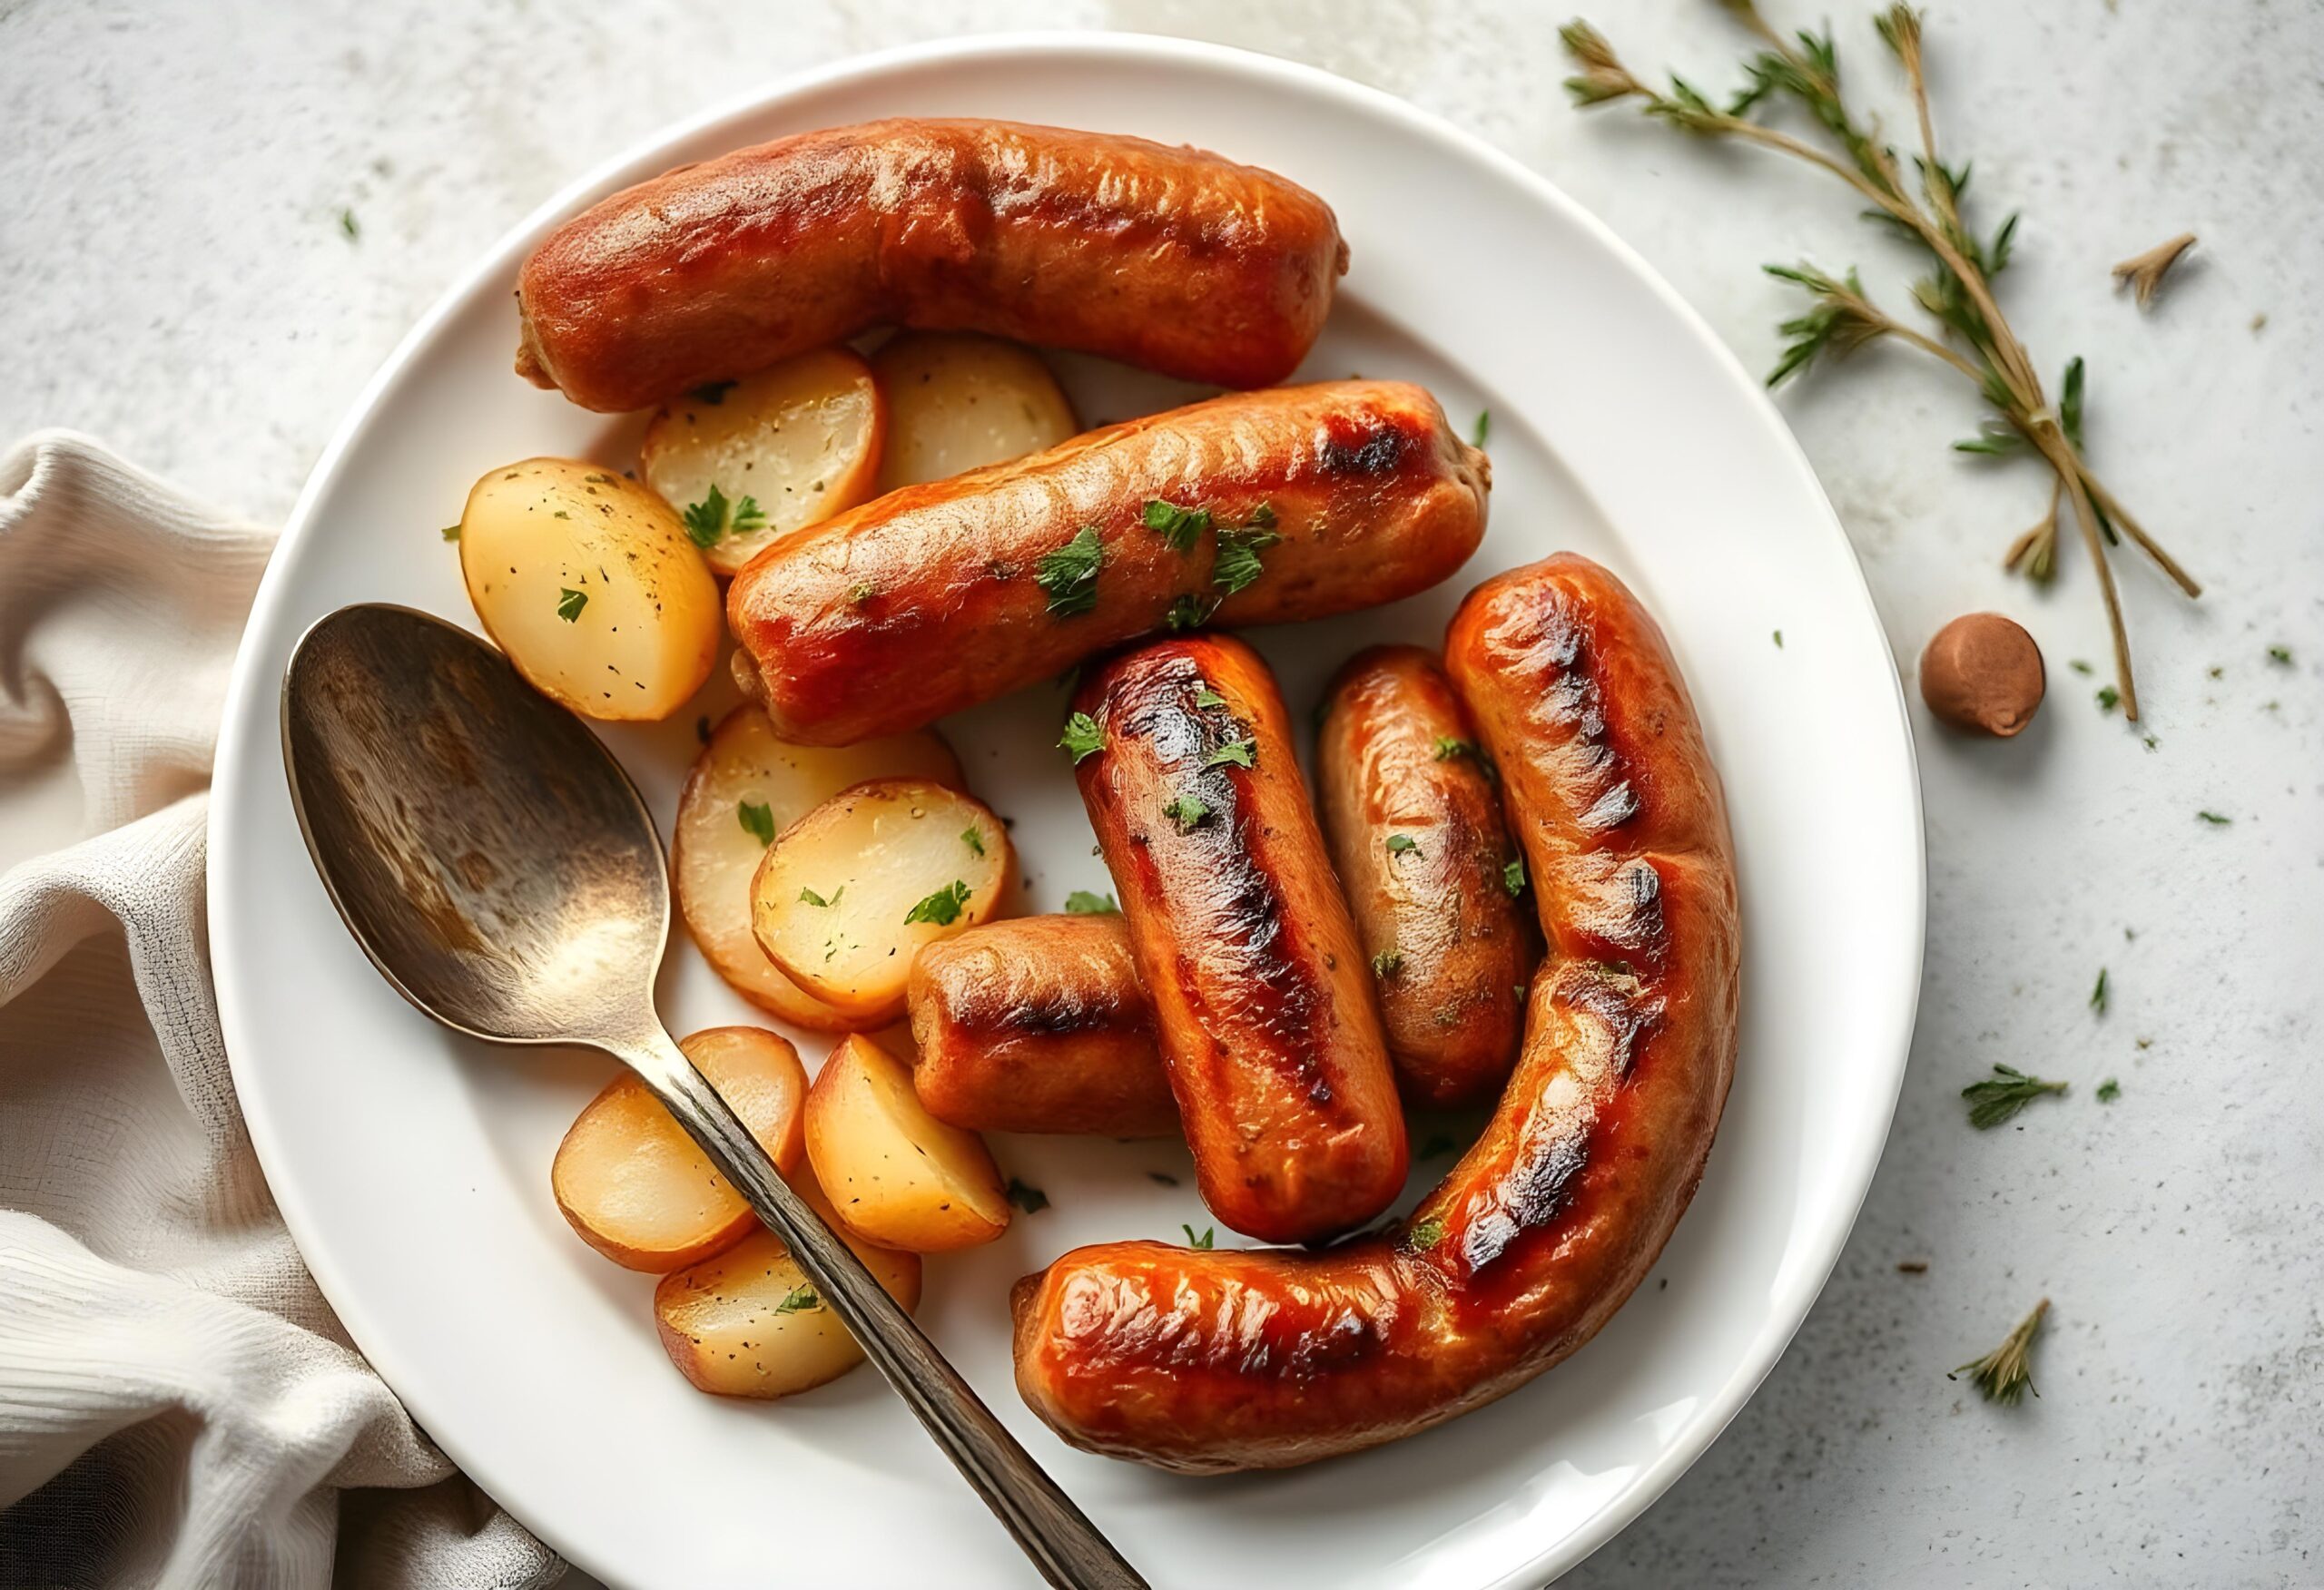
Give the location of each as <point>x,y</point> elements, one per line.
<point>2214,819</point>
<point>799,1299</point>
<point>1483,428</point>
<point>350,225</point>
<point>1238,751</point>
<point>2109,1091</point>
<point>2007,1373</point>
<point>1082,736</point>
<point>2280,655</point>
<point>451,532</point>
<point>1387,963</point>
<point>1070,574</point>
<point>758,820</point>
<point>569,604</point>
<point>1237,563</point>
<point>972,839</point>
<point>2000,1096</point>
<point>808,897</point>
<point>1185,811</point>
<point>1512,877</point>
<point>2097,994</point>
<point>1402,845</point>
<point>1448,748</point>
<point>942,907</point>
<point>560,514</point>
<point>2108,698</point>
<point>1208,1239</point>
<point>1179,528</point>
<point>1029,1199</point>
<point>1778,639</point>
<point>1188,613</point>
<point>1082,902</point>
<point>1206,698</point>
<point>859,593</point>
<point>706,521</point>
<point>2080,667</point>
<point>1425,1235</point>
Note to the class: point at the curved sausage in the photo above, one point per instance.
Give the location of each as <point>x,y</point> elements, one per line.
<point>1261,998</point>
<point>1038,1024</point>
<point>1207,1361</point>
<point>1259,507</point>
<point>1173,259</point>
<point>1413,823</point>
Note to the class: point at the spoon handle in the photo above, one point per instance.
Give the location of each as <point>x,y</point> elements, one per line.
<point>1056,1534</point>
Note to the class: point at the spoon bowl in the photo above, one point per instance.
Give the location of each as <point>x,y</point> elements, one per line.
<point>500,869</point>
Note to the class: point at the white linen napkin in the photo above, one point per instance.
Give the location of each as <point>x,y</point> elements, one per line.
<point>177,1405</point>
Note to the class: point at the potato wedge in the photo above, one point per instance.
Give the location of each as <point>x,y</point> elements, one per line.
<point>845,897</point>
<point>896,1174</point>
<point>636,1188</point>
<point>746,783</point>
<point>589,584</point>
<point>749,1322</point>
<point>788,448</point>
<point>957,401</point>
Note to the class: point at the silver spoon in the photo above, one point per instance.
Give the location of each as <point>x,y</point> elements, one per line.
<point>499,868</point>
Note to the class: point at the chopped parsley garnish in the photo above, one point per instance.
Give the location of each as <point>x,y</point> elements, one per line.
<point>560,514</point>
<point>1070,574</point>
<point>2079,666</point>
<point>2109,1091</point>
<point>1485,428</point>
<point>1029,1199</point>
<point>348,224</point>
<point>942,907</point>
<point>569,604</point>
<point>451,532</point>
<point>1081,902</point>
<point>1206,697</point>
<point>1512,877</point>
<point>758,820</point>
<point>2097,995</point>
<point>1188,612</point>
<point>1082,736</point>
<point>1179,528</point>
<point>1237,563</point>
<point>808,897</point>
<point>1238,751</point>
<point>1387,963</point>
<point>799,1299</point>
<point>1186,812</point>
<point>711,520</point>
<point>1402,845</point>
<point>2002,1095</point>
<point>2214,819</point>
<point>1208,1238</point>
<point>2279,654</point>
<point>2109,698</point>
<point>1425,1235</point>
<point>972,839</point>
<point>1447,748</point>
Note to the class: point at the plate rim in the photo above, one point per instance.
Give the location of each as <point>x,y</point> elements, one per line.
<point>247,710</point>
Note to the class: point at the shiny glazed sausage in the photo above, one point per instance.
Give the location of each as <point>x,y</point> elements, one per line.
<point>1261,995</point>
<point>1207,1362</point>
<point>1413,823</point>
<point>1169,258</point>
<point>1259,507</point>
<point>1038,1024</point>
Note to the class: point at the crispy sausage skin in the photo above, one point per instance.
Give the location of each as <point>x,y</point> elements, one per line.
<point>1169,258</point>
<point>1262,1003</point>
<point>1038,1024</point>
<point>936,597</point>
<point>1413,823</point>
<point>1207,1362</point>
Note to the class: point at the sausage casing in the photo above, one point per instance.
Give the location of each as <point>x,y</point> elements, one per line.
<point>1038,1024</point>
<point>1415,825</point>
<point>936,597</point>
<point>1210,1361</point>
<point>1261,997</point>
<point>1169,258</point>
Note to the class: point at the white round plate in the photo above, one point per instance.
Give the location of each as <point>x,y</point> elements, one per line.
<point>413,1167</point>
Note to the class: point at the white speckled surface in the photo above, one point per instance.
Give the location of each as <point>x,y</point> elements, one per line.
<point>178,282</point>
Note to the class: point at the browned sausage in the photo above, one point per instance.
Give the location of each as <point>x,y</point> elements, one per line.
<point>1262,999</point>
<point>1413,823</point>
<point>1038,1024</point>
<point>936,597</point>
<point>1172,258</point>
<point>1210,1361</point>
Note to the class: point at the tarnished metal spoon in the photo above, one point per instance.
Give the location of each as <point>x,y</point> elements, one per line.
<point>499,868</point>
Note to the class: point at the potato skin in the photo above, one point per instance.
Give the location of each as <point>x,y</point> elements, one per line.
<point>928,600</point>
<point>1210,1361</point>
<point>1169,258</point>
<point>1463,947</point>
<point>1261,995</point>
<point>1038,1024</point>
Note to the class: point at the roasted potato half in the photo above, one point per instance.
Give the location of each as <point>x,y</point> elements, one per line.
<point>845,897</point>
<point>589,584</point>
<point>636,1188</point>
<point>749,1322</point>
<point>746,463</point>
<point>746,785</point>
<point>895,1172</point>
<point>957,401</point>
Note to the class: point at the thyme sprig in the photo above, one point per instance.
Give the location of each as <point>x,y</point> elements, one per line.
<point>1972,335</point>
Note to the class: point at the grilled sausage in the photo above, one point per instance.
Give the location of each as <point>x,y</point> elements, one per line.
<point>1172,258</point>
<point>1262,1002</point>
<point>1038,1024</point>
<point>1206,1361</point>
<point>1297,503</point>
<point>1413,823</point>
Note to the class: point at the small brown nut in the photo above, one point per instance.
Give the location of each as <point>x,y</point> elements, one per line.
<point>1983,672</point>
